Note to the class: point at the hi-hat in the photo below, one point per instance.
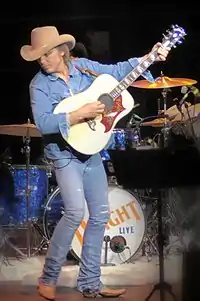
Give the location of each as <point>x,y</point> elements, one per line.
<point>164,82</point>
<point>23,130</point>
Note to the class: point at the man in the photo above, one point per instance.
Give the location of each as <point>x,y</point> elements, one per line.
<point>79,177</point>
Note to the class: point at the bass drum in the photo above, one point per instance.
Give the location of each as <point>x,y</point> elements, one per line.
<point>127,225</point>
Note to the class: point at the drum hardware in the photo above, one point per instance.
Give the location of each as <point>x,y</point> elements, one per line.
<point>44,240</point>
<point>107,241</point>
<point>164,83</point>
<point>26,131</point>
<point>26,150</point>
<point>5,244</point>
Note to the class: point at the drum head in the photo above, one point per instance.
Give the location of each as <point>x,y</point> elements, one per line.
<point>127,223</point>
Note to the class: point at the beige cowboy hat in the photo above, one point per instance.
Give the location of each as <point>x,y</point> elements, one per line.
<point>44,39</point>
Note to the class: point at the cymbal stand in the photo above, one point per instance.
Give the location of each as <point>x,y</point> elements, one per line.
<point>165,130</point>
<point>27,149</point>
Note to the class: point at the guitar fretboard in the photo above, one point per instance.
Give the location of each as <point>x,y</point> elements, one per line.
<point>133,75</point>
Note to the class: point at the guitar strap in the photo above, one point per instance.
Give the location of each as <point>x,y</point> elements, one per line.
<point>87,71</point>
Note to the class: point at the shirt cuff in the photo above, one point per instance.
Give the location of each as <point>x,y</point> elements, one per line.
<point>146,74</point>
<point>64,124</point>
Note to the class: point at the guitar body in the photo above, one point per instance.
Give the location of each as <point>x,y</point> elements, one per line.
<point>91,137</point>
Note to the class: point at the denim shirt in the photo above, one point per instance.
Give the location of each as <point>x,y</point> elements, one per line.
<point>47,90</point>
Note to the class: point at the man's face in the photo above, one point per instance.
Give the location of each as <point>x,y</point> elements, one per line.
<point>51,61</point>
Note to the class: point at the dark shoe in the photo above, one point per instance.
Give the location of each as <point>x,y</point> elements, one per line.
<point>105,293</point>
<point>47,291</point>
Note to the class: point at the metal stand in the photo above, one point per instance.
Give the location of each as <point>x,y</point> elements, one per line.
<point>106,240</point>
<point>162,286</point>
<point>44,239</point>
<point>30,224</point>
<point>165,129</point>
<point>26,141</point>
<point>6,243</point>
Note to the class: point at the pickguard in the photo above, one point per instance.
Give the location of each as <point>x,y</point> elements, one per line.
<point>108,118</point>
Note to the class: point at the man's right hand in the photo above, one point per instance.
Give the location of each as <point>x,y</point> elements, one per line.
<point>91,110</point>
<point>87,111</point>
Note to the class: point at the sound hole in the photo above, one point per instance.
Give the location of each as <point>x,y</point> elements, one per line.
<point>107,100</point>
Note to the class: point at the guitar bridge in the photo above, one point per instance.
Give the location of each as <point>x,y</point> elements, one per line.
<point>91,124</point>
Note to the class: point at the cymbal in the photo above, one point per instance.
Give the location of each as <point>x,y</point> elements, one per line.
<point>23,130</point>
<point>193,110</point>
<point>160,122</point>
<point>164,82</point>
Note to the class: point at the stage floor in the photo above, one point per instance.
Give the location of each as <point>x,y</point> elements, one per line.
<point>16,291</point>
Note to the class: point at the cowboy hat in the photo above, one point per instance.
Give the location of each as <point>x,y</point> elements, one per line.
<point>44,39</point>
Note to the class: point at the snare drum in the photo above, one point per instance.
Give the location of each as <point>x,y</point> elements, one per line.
<point>38,185</point>
<point>127,220</point>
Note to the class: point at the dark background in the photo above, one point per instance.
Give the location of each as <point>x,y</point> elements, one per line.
<point>133,28</point>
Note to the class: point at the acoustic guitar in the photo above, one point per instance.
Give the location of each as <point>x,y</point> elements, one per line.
<point>91,136</point>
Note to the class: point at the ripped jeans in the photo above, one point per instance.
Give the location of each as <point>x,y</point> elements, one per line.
<point>79,182</point>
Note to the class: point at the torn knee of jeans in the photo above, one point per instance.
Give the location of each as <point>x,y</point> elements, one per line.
<point>102,216</point>
<point>75,216</point>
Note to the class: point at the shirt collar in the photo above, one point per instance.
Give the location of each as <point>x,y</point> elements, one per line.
<point>73,71</point>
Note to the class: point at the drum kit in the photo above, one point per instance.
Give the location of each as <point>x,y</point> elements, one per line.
<point>39,206</point>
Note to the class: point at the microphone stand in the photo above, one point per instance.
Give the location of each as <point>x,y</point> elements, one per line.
<point>162,286</point>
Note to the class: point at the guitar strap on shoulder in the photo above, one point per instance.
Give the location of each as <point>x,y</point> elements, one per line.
<point>87,71</point>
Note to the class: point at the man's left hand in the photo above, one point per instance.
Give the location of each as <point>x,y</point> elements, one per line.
<point>162,52</point>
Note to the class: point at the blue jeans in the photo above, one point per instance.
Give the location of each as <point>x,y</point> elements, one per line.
<point>79,182</point>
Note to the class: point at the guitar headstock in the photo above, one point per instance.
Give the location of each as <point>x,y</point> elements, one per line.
<point>174,36</point>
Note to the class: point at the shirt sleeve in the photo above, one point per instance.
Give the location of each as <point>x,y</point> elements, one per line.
<point>118,70</point>
<point>45,120</point>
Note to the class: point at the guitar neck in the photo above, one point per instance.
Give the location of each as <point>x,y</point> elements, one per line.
<point>134,74</point>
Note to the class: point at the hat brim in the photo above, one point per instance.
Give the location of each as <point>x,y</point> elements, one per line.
<point>29,53</point>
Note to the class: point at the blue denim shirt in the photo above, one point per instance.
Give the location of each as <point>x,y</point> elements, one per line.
<point>47,90</point>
